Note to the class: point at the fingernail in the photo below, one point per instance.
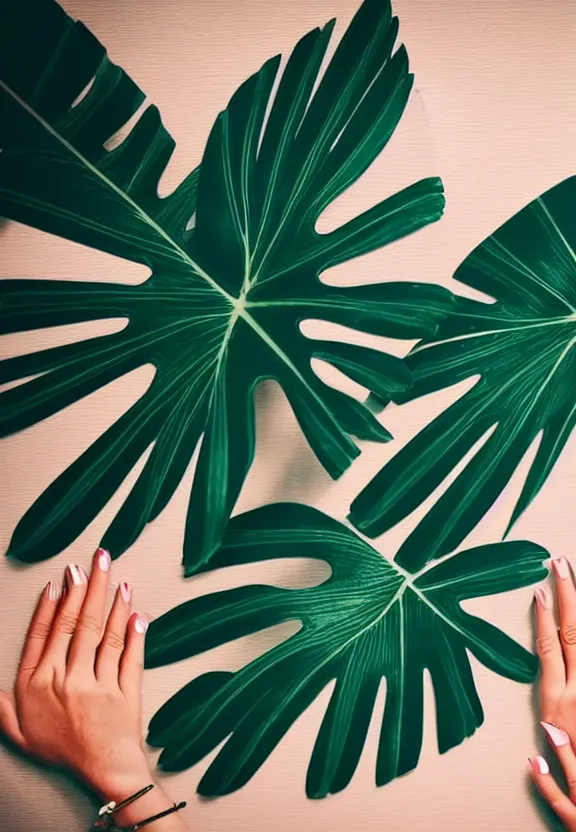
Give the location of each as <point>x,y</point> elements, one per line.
<point>140,625</point>
<point>539,765</point>
<point>557,735</point>
<point>544,597</point>
<point>104,560</point>
<point>52,591</point>
<point>75,575</point>
<point>561,568</point>
<point>125,592</point>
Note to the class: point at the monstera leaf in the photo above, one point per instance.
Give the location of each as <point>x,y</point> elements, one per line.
<point>522,348</point>
<point>369,620</point>
<point>235,260</point>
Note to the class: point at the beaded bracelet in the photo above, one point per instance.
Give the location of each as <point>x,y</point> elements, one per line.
<point>105,821</point>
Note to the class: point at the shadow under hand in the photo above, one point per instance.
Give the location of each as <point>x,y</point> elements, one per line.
<point>29,799</point>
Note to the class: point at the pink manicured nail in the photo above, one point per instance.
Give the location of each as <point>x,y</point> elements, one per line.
<point>539,765</point>
<point>557,735</point>
<point>140,625</point>
<point>561,568</point>
<point>76,575</point>
<point>125,592</point>
<point>104,560</point>
<point>544,597</point>
<point>52,591</point>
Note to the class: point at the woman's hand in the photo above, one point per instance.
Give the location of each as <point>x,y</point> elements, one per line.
<point>77,697</point>
<point>557,651</point>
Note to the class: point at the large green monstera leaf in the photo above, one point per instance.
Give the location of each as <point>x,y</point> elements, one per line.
<point>522,348</point>
<point>235,260</point>
<point>371,619</point>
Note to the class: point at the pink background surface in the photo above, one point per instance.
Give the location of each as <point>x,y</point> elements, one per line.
<point>494,113</point>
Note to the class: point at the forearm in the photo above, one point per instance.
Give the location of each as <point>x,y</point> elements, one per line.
<point>152,803</point>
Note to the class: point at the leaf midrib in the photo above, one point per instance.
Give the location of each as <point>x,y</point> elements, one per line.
<point>112,185</point>
<point>556,227</point>
<point>237,304</point>
<point>505,330</point>
<point>310,162</point>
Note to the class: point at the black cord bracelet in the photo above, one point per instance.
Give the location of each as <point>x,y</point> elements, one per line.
<point>104,821</point>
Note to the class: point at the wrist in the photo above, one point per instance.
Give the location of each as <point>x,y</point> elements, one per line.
<point>117,787</point>
<point>152,803</point>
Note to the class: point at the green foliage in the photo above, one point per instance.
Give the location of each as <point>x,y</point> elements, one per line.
<point>371,619</point>
<point>522,348</point>
<point>235,263</point>
<point>222,307</point>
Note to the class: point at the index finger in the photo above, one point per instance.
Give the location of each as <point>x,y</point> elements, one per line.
<point>553,672</point>
<point>38,632</point>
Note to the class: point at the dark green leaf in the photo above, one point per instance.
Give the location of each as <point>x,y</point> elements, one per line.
<point>368,621</point>
<point>222,308</point>
<point>522,348</point>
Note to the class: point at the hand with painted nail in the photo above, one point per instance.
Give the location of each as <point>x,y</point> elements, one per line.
<point>77,697</point>
<point>557,650</point>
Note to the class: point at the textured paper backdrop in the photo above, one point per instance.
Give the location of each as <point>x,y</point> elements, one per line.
<point>494,114</point>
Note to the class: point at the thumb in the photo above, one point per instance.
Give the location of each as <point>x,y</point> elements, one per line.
<point>9,724</point>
